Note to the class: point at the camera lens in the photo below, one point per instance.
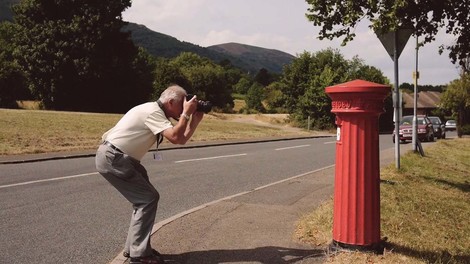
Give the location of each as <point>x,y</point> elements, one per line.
<point>202,106</point>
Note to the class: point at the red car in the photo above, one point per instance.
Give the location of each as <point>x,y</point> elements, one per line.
<point>425,129</point>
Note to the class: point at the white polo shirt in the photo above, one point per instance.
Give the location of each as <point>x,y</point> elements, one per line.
<point>137,130</point>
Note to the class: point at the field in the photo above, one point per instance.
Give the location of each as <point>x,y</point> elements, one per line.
<point>39,131</point>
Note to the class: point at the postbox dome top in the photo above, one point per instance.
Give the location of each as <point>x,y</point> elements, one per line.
<point>357,86</point>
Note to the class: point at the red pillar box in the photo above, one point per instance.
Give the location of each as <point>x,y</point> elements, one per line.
<point>356,216</point>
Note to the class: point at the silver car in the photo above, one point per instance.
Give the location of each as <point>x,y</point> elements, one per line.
<point>451,125</point>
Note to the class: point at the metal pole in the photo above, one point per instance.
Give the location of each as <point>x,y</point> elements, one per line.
<point>397,100</point>
<point>415,118</point>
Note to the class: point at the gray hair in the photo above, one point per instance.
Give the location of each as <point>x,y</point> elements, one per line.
<point>174,92</point>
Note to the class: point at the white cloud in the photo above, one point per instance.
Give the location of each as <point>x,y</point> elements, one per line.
<point>281,25</point>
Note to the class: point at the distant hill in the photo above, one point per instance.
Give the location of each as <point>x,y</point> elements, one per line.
<point>270,59</point>
<point>246,57</point>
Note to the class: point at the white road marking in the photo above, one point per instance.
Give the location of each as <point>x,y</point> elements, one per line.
<point>300,146</point>
<point>48,180</point>
<point>210,158</point>
<point>330,142</point>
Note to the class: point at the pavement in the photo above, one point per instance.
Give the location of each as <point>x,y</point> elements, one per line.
<point>256,226</point>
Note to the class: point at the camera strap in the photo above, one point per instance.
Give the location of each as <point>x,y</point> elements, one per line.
<point>156,154</point>
<point>159,139</point>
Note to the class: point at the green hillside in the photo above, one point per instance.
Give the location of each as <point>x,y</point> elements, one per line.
<point>270,59</point>
<point>248,58</point>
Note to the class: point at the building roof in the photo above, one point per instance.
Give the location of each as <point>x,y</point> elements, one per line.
<point>426,99</point>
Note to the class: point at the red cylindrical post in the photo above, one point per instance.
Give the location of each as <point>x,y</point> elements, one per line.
<point>356,216</point>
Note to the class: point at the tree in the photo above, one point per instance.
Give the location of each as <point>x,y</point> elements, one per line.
<point>254,97</point>
<point>206,79</point>
<point>167,73</point>
<point>242,86</point>
<point>338,18</point>
<point>456,98</point>
<point>12,81</point>
<point>275,98</point>
<point>77,58</point>
<point>434,88</point>
<point>263,77</point>
<point>306,78</point>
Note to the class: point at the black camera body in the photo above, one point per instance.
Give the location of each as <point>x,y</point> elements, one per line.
<point>202,106</point>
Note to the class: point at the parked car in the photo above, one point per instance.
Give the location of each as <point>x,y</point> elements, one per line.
<point>439,127</point>
<point>451,125</point>
<point>425,129</point>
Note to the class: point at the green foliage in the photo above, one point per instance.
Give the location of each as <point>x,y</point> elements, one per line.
<point>338,18</point>
<point>166,74</point>
<point>198,75</point>
<point>77,58</point>
<point>275,98</point>
<point>12,81</point>
<point>237,96</point>
<point>457,94</point>
<point>242,85</point>
<point>255,97</point>
<point>434,88</point>
<point>305,80</point>
<point>456,99</point>
<point>465,129</point>
<point>263,77</point>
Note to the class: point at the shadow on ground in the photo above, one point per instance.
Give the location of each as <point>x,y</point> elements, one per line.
<point>429,256</point>
<point>264,255</point>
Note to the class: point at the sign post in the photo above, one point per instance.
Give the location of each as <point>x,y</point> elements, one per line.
<point>415,102</point>
<point>394,42</point>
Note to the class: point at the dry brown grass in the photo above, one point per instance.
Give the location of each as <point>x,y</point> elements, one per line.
<point>425,210</point>
<point>37,131</point>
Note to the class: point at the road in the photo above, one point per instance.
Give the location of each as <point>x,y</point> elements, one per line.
<point>62,211</point>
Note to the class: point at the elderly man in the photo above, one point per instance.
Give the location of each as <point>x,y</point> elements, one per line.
<point>124,145</point>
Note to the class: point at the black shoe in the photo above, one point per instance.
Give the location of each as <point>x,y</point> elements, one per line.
<point>152,259</point>
<point>154,252</point>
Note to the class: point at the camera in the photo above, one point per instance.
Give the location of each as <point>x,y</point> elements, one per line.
<point>202,106</point>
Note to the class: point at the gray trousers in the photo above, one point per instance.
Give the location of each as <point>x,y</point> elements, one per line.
<point>130,178</point>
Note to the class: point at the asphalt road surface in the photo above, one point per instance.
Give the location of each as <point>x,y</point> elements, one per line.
<point>62,211</point>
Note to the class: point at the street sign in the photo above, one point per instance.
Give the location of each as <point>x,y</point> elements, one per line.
<point>388,40</point>
<point>394,43</point>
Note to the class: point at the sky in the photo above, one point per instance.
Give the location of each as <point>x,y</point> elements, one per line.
<point>282,25</point>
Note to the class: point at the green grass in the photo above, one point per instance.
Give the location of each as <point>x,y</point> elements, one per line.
<point>425,210</point>
<point>38,131</point>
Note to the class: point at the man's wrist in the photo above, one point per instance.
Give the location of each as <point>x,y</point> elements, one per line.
<point>185,116</point>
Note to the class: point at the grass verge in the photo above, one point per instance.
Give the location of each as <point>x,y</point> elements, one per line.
<point>38,131</point>
<point>425,210</point>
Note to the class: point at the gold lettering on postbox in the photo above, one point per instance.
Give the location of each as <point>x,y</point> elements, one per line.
<point>356,104</point>
<point>344,104</point>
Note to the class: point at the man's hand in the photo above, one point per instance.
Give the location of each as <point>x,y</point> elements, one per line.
<point>189,107</point>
